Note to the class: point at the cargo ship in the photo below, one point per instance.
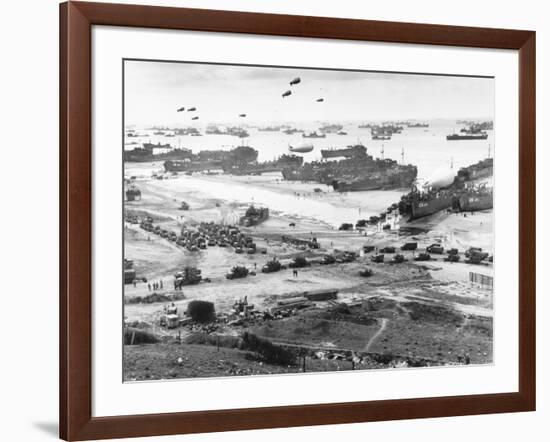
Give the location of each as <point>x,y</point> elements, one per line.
<point>289,160</point>
<point>357,171</point>
<point>393,178</point>
<point>417,125</point>
<point>474,199</point>
<point>460,194</point>
<point>292,131</point>
<point>314,135</point>
<point>193,131</point>
<point>254,216</point>
<point>147,153</point>
<point>191,166</point>
<point>346,152</point>
<point>331,128</point>
<point>418,204</point>
<point>468,136</point>
<point>254,168</point>
<point>479,170</point>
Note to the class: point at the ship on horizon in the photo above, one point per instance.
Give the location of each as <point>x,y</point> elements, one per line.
<point>468,136</point>
<point>314,134</point>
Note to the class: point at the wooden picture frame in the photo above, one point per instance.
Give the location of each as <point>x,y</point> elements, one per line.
<point>76,21</point>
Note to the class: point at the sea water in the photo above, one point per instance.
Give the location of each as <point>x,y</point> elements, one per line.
<point>427,148</point>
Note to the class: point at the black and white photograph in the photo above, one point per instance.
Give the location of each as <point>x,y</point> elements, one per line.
<point>290,220</point>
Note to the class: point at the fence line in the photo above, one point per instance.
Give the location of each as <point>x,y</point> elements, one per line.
<point>481,279</point>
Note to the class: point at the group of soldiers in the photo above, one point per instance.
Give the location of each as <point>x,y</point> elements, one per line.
<point>155,285</point>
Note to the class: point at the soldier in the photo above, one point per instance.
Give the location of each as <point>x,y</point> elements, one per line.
<point>149,286</point>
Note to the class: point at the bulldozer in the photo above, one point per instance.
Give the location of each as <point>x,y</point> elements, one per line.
<point>189,276</point>
<point>377,258</point>
<point>398,258</point>
<point>476,257</point>
<point>366,273</point>
<point>328,259</point>
<point>272,266</point>
<point>237,272</point>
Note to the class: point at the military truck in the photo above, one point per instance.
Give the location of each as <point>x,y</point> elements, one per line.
<point>346,226</point>
<point>377,258</point>
<point>477,252</point>
<point>328,259</point>
<point>398,259</point>
<point>299,262</point>
<point>368,248</point>
<point>435,248</point>
<point>423,257</point>
<point>129,272</point>
<point>237,272</point>
<point>345,257</point>
<point>476,257</point>
<point>409,246</point>
<point>452,258</point>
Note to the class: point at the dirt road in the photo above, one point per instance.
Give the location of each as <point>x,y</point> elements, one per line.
<point>378,333</point>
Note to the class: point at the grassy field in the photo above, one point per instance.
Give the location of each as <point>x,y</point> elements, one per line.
<point>160,361</point>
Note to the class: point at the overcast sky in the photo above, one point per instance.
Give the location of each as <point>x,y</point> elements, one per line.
<point>154,91</point>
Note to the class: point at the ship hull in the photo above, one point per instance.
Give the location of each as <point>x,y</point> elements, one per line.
<point>188,166</point>
<point>383,181</point>
<point>466,137</point>
<point>471,203</point>
<point>421,209</point>
<point>249,221</point>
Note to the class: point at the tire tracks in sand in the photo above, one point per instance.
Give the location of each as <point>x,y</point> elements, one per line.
<point>378,333</point>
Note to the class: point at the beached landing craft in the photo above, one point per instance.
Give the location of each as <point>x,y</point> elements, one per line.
<point>301,148</point>
<point>474,198</point>
<point>457,194</point>
<point>133,193</point>
<point>357,171</point>
<point>254,216</point>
